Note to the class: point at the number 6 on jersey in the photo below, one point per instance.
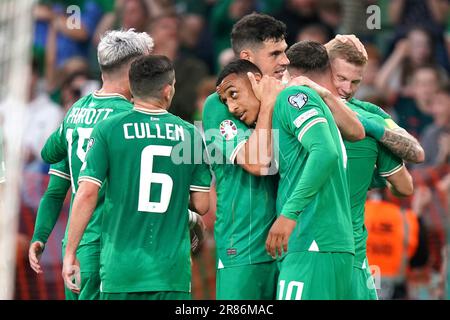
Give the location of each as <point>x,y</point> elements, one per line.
<point>148,177</point>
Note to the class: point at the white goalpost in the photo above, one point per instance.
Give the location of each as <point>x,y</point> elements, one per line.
<point>15,55</point>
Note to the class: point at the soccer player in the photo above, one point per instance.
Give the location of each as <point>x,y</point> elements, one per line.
<point>116,51</point>
<point>348,59</point>
<point>148,161</point>
<point>314,227</point>
<point>245,198</point>
<point>246,194</point>
<point>310,59</point>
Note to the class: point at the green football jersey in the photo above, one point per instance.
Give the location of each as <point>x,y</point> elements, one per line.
<point>245,203</point>
<point>149,161</point>
<point>363,156</point>
<point>71,140</point>
<point>319,199</point>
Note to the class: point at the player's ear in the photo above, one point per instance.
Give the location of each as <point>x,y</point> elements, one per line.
<point>167,92</point>
<point>258,77</point>
<point>245,54</point>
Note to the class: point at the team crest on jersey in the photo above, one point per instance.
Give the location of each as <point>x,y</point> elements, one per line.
<point>298,100</point>
<point>228,129</point>
<point>90,144</point>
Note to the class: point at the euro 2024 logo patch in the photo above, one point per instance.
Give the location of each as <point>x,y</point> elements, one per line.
<point>90,144</point>
<point>298,100</point>
<point>228,129</point>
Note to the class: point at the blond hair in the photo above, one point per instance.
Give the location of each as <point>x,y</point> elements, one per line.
<point>346,51</point>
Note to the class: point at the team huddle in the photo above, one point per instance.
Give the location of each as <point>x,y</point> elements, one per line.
<point>292,153</point>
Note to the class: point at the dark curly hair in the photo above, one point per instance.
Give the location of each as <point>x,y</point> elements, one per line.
<point>255,28</point>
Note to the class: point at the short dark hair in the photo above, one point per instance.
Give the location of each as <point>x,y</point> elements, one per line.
<point>240,66</point>
<point>308,56</point>
<point>149,74</point>
<point>255,28</point>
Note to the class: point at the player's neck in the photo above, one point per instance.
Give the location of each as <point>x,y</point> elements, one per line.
<point>115,88</point>
<point>150,105</point>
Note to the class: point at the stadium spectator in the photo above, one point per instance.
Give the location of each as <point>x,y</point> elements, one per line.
<point>436,136</point>
<point>430,15</point>
<point>314,32</point>
<point>66,36</point>
<point>433,176</point>
<point>414,112</point>
<point>297,14</point>
<point>43,117</point>
<point>126,15</point>
<point>367,88</point>
<point>190,70</point>
<point>223,16</point>
<point>411,53</point>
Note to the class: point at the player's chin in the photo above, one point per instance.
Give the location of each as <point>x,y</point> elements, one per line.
<point>278,74</point>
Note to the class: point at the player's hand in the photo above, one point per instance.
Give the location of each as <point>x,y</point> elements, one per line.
<point>266,90</point>
<point>71,273</point>
<point>279,233</point>
<point>197,234</point>
<point>305,81</point>
<point>34,256</point>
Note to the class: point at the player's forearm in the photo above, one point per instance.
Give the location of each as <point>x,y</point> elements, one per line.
<point>256,154</point>
<point>346,120</point>
<point>403,145</point>
<point>82,210</point>
<point>199,202</point>
<point>50,208</point>
<point>54,149</point>
<point>395,10</point>
<point>321,161</point>
<point>401,183</point>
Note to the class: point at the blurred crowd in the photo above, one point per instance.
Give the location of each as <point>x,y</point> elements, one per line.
<point>407,75</point>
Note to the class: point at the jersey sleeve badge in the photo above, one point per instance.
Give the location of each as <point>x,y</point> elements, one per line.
<point>228,129</point>
<point>298,100</point>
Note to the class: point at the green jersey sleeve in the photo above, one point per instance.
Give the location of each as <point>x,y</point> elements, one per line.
<point>301,114</point>
<point>387,162</point>
<point>95,167</point>
<point>298,110</point>
<point>52,201</point>
<point>319,144</point>
<point>55,148</point>
<point>374,109</point>
<point>225,134</point>
<point>371,108</point>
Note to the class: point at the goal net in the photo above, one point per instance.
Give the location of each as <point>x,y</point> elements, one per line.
<point>15,52</point>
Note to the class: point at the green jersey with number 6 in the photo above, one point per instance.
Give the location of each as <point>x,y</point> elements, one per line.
<point>71,141</point>
<point>319,199</point>
<point>150,160</point>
